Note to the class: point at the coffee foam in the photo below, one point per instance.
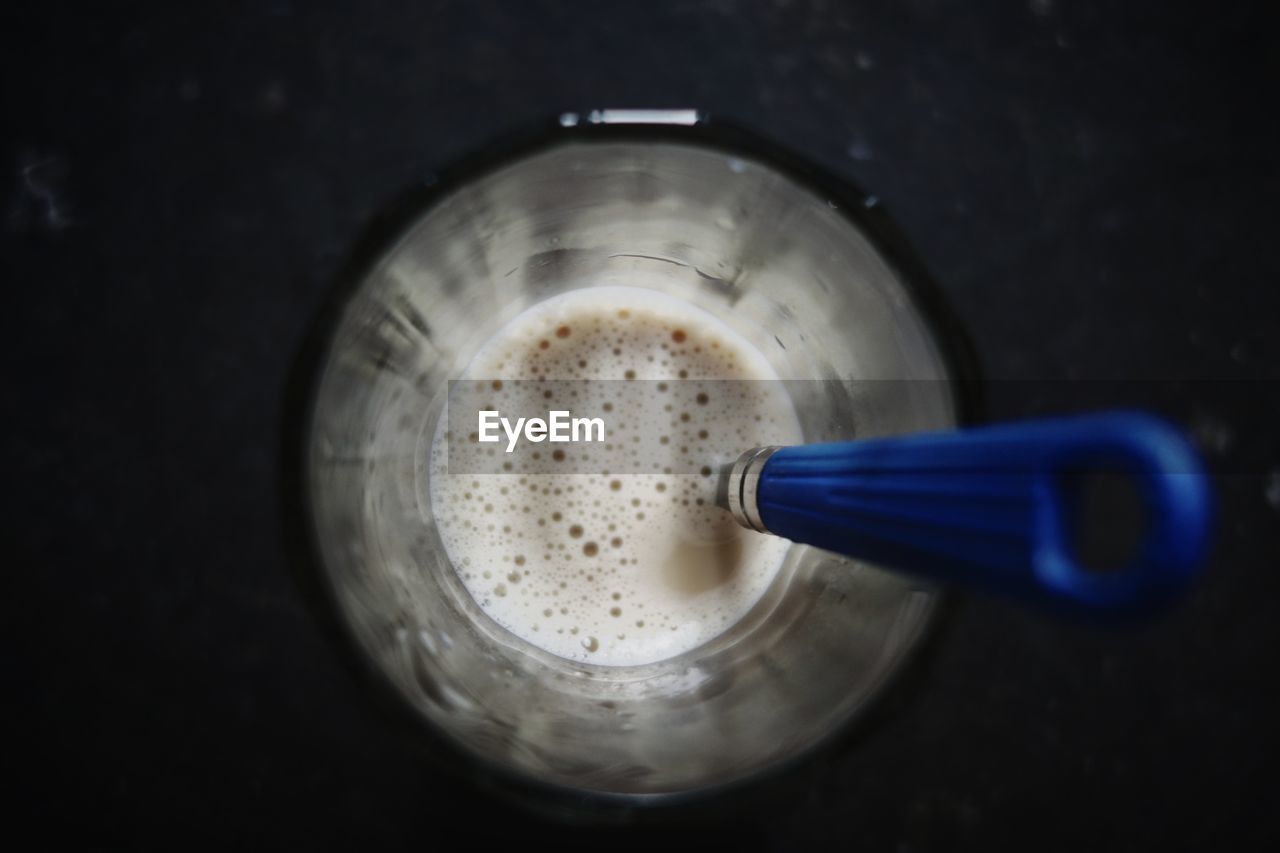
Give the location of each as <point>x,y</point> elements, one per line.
<point>607,565</point>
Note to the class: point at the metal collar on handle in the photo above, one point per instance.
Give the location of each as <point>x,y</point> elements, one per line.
<point>744,478</point>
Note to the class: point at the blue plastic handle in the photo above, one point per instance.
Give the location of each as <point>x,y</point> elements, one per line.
<point>991,507</point>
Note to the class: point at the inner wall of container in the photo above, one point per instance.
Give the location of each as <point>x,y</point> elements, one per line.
<point>730,235</point>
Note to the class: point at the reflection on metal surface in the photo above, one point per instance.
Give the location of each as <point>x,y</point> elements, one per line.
<point>686,118</point>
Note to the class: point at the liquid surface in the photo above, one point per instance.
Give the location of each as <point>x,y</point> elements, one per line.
<point>629,567</point>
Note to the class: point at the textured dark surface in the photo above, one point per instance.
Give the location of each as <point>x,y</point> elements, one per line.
<point>1094,184</point>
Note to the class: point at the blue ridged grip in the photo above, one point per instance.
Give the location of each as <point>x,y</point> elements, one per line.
<point>992,507</point>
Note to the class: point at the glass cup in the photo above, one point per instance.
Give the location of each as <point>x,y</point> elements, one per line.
<point>803,266</point>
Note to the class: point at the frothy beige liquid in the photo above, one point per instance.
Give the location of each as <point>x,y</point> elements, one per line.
<point>618,569</point>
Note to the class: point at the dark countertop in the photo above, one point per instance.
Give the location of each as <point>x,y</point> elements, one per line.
<point>1093,184</point>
